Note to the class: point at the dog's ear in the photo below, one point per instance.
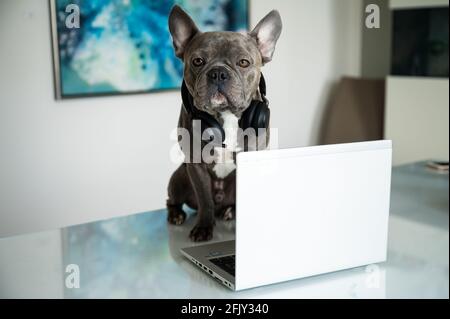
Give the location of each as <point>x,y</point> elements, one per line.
<point>182,28</point>
<point>266,34</point>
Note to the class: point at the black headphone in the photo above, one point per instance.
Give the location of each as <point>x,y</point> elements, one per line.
<point>256,116</point>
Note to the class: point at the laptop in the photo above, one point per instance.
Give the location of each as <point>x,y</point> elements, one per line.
<point>303,212</point>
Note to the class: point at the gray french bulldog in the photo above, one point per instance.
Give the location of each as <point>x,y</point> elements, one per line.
<point>222,73</point>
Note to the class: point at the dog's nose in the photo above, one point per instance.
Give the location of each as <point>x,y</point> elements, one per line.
<point>218,75</point>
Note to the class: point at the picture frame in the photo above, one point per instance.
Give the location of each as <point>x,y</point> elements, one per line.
<point>124,47</point>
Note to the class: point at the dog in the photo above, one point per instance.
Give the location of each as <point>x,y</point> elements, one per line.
<point>222,76</point>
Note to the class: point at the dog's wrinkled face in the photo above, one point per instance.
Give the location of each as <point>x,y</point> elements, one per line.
<point>222,69</point>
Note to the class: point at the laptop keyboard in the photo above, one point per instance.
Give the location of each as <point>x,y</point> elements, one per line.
<point>227,263</point>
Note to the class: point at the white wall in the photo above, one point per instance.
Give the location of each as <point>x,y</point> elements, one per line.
<point>321,40</point>
<point>416,118</point>
<point>80,160</point>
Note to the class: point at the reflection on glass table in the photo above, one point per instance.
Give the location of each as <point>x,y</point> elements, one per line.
<point>138,256</point>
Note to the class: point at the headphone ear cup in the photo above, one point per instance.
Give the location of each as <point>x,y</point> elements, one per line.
<point>262,116</point>
<point>248,115</point>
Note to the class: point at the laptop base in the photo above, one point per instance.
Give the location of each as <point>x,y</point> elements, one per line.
<point>216,259</point>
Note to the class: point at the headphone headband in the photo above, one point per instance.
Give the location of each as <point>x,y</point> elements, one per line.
<point>262,85</point>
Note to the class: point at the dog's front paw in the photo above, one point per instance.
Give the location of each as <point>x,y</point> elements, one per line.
<point>201,233</point>
<point>176,216</point>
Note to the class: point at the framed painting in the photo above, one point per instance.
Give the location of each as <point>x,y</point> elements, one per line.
<point>107,47</point>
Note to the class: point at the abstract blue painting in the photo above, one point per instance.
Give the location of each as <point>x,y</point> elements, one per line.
<point>124,46</point>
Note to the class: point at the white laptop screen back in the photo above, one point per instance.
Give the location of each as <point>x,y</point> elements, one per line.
<point>308,211</point>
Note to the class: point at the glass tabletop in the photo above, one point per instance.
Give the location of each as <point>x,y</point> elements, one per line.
<point>138,256</point>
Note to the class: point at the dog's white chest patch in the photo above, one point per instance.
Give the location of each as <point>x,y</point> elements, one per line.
<point>226,165</point>
<point>224,161</point>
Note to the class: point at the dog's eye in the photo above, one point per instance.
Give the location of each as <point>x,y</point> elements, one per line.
<point>198,62</point>
<point>244,63</point>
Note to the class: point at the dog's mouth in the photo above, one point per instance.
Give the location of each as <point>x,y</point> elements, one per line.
<point>218,99</point>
